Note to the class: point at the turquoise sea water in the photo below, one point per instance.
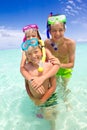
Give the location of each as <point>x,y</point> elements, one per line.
<point>17,112</point>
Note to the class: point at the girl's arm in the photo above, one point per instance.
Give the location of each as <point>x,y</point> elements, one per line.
<point>23,71</point>
<point>28,90</point>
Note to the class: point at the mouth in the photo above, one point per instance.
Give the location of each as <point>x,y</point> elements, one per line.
<point>57,37</point>
<point>36,61</point>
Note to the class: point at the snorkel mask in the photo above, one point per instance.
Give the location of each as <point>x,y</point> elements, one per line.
<point>53,19</point>
<point>28,27</point>
<point>33,43</point>
<point>31,26</point>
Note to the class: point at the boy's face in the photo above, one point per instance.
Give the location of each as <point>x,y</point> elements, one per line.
<point>34,55</point>
<point>31,33</point>
<point>57,31</point>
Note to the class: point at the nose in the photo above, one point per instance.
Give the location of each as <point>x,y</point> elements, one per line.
<point>33,55</point>
<point>57,32</point>
<point>28,38</point>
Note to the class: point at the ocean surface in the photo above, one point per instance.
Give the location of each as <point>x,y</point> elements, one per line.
<point>17,111</point>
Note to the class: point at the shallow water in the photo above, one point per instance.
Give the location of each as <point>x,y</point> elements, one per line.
<point>17,112</point>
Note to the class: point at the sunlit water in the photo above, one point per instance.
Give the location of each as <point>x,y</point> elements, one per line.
<point>17,111</point>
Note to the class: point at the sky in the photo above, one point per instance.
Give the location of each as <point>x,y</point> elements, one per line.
<point>15,14</point>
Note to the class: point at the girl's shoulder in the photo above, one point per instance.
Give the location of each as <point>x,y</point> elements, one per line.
<point>48,65</point>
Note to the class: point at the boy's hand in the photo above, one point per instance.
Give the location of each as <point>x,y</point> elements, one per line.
<point>36,84</point>
<point>37,81</point>
<point>40,90</point>
<point>54,61</point>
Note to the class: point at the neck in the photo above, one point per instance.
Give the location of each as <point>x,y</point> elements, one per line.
<point>58,42</point>
<point>35,65</point>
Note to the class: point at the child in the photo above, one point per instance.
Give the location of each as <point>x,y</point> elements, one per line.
<point>31,31</point>
<point>49,98</point>
<point>61,47</point>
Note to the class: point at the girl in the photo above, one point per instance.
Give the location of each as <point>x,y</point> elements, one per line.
<point>31,31</point>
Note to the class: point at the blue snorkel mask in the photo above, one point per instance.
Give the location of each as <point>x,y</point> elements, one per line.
<point>32,42</point>
<point>52,19</point>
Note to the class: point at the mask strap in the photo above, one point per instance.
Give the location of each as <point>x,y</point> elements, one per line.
<point>47,32</point>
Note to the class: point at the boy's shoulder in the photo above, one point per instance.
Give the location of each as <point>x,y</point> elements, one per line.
<point>47,42</point>
<point>69,41</point>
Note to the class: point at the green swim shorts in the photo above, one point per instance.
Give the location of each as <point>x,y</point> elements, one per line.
<point>66,73</point>
<point>51,101</point>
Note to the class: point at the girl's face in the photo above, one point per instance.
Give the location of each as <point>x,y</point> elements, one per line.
<point>34,55</point>
<point>57,31</point>
<point>31,33</point>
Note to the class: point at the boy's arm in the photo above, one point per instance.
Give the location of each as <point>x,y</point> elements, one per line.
<point>52,58</point>
<point>29,93</point>
<point>55,66</point>
<point>71,48</point>
<point>49,92</point>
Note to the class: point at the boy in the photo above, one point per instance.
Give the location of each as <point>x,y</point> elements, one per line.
<point>61,47</point>
<point>49,98</point>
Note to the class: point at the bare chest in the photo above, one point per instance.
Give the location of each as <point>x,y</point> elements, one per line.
<point>61,52</point>
<point>34,71</point>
